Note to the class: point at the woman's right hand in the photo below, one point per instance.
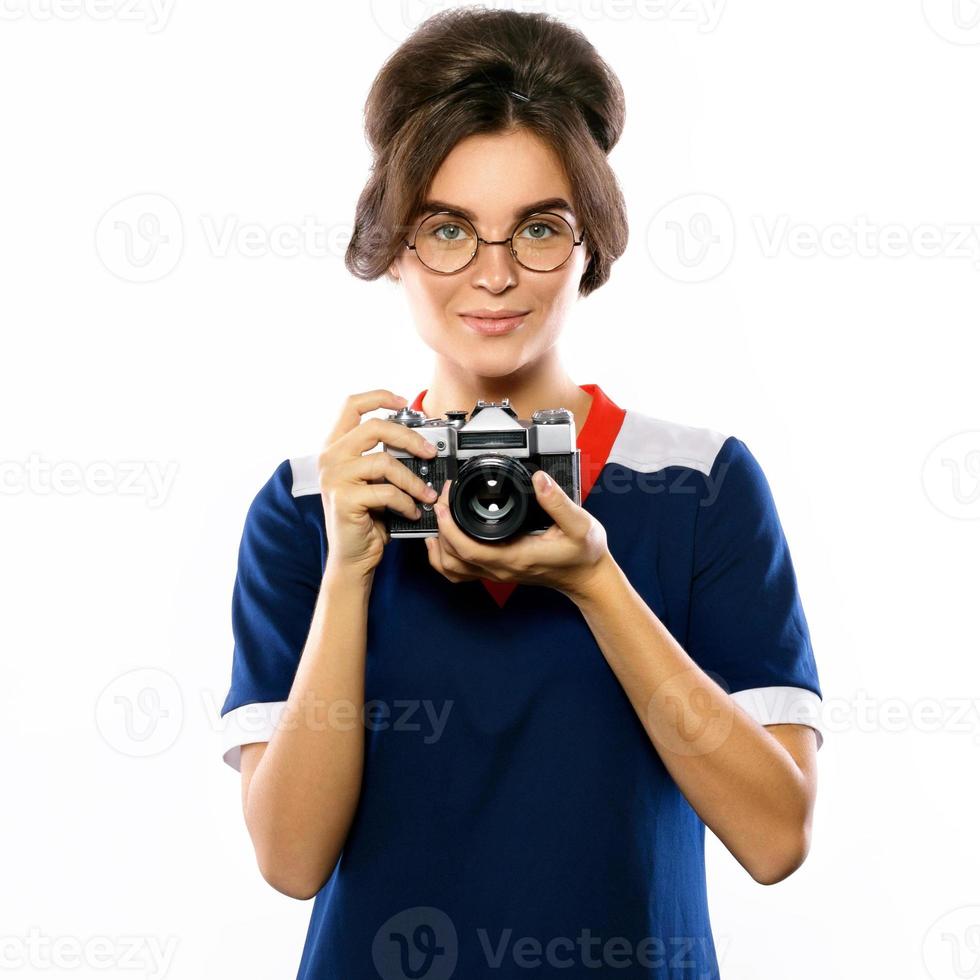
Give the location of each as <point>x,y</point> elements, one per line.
<point>354,482</point>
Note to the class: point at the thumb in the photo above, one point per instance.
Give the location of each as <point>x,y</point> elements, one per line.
<point>556,503</point>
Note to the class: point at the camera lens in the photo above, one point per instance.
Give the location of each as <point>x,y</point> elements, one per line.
<point>492,503</point>
<point>489,498</point>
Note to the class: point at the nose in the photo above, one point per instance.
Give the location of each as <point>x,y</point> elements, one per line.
<point>494,267</point>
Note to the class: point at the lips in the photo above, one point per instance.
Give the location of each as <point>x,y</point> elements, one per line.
<point>492,323</point>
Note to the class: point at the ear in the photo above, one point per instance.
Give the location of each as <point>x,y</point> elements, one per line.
<point>586,251</point>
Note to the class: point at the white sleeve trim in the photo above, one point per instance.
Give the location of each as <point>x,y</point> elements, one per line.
<point>782,706</point>
<point>250,723</point>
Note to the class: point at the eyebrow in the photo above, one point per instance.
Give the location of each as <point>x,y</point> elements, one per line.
<point>548,204</point>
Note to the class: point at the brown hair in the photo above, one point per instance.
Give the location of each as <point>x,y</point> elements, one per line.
<point>453,77</point>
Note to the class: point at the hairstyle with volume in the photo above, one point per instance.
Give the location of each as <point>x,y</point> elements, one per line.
<point>454,77</point>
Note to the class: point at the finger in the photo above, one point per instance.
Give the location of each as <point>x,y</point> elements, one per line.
<point>453,563</point>
<point>374,496</point>
<point>360,404</point>
<point>366,436</point>
<point>383,466</point>
<point>437,559</point>
<point>553,500</point>
<point>455,542</point>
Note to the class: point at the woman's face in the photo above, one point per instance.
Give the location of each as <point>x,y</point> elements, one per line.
<point>495,177</point>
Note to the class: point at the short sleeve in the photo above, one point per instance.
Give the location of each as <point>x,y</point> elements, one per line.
<point>747,626</point>
<point>273,600</point>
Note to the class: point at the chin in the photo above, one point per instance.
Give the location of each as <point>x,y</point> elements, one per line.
<point>476,359</point>
<point>493,367</point>
<point>490,356</point>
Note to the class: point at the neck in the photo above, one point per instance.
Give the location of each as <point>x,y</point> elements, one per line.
<point>543,384</point>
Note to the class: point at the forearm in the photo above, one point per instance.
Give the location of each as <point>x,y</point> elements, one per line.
<point>740,780</point>
<point>305,789</point>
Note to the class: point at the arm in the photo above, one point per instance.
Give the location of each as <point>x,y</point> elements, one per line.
<point>743,780</point>
<point>754,788</point>
<point>300,643</point>
<point>300,790</point>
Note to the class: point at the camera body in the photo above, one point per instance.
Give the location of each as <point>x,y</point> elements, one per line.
<point>490,459</point>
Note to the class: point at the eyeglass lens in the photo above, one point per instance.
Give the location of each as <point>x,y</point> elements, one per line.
<point>446,243</point>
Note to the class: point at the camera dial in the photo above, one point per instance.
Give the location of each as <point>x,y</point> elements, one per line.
<point>407,416</point>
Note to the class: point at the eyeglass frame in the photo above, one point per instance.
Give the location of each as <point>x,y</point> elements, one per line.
<point>503,241</point>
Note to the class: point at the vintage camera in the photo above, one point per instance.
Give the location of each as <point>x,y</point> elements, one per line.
<point>490,460</point>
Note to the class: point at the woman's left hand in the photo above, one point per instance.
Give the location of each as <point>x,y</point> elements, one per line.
<point>565,557</point>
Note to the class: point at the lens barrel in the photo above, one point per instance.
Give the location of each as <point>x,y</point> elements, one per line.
<point>490,497</point>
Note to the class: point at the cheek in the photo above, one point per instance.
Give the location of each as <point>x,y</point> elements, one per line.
<point>428,296</point>
<point>555,297</point>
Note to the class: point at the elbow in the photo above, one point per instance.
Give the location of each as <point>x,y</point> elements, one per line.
<point>290,883</point>
<point>291,867</point>
<point>293,872</point>
<point>779,863</point>
<point>294,861</point>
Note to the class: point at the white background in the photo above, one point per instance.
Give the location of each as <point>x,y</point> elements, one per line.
<point>818,164</point>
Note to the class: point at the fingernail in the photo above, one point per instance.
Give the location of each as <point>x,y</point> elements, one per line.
<point>444,485</point>
<point>544,481</point>
<point>440,510</point>
<point>431,493</point>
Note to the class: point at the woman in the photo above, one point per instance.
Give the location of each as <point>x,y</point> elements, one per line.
<point>484,758</point>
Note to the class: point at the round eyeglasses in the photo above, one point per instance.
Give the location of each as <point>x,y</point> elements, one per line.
<point>541,242</point>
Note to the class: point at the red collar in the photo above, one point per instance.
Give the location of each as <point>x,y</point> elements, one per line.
<point>595,440</point>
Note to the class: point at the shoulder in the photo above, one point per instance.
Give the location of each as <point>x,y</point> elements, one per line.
<point>276,509</point>
<point>296,476</point>
<point>646,444</point>
<point>290,478</point>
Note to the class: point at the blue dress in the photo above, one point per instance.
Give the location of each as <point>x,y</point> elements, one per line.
<point>515,819</point>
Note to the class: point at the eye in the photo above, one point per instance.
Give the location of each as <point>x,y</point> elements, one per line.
<point>456,232</point>
<point>539,230</point>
